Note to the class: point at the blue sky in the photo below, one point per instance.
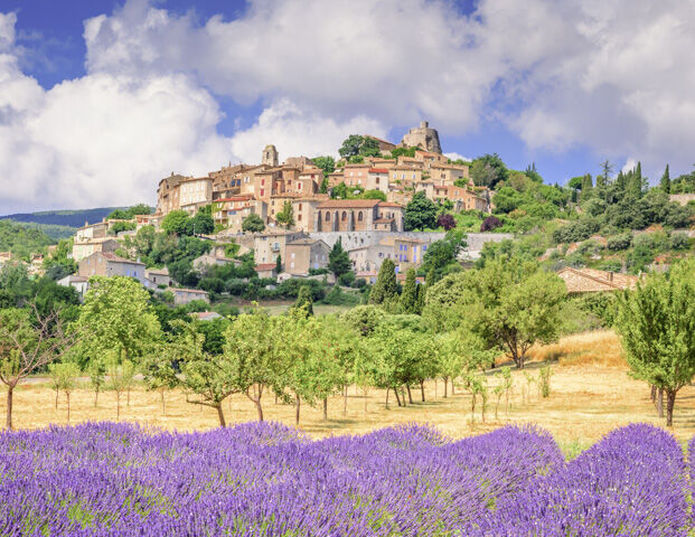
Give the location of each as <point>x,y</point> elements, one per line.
<point>100,99</point>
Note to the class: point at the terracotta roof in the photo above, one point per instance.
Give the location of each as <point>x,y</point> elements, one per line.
<point>265,266</point>
<point>591,280</point>
<point>348,204</point>
<point>389,204</point>
<point>378,170</point>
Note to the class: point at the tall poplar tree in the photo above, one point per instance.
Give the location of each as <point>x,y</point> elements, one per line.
<point>385,289</point>
<point>666,181</point>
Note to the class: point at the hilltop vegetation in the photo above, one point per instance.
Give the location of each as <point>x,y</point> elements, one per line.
<point>22,240</point>
<point>69,217</point>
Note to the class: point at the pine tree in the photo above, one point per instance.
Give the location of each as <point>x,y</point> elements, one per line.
<point>386,288</point>
<point>636,182</point>
<point>409,296</point>
<point>666,181</point>
<point>278,264</point>
<point>338,259</point>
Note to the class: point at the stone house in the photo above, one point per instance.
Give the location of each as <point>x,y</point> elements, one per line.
<point>265,270</point>
<point>79,283</point>
<point>378,179</point>
<point>87,247</point>
<point>195,193</point>
<point>142,220</point>
<point>207,260</point>
<point>304,254</point>
<point>268,244</point>
<point>268,182</point>
<point>108,264</point>
<point>357,215</point>
<point>405,175</point>
<point>158,277</point>
<point>355,175</point>
<point>423,137</point>
<point>92,231</point>
<point>588,280</point>
<point>231,212</point>
<point>168,194</point>
<point>186,296</point>
<point>448,174</point>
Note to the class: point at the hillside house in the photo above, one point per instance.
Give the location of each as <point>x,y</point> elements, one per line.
<point>108,264</point>
<point>304,254</point>
<point>158,277</point>
<point>186,296</point>
<point>79,283</point>
<point>588,280</point>
<point>86,247</point>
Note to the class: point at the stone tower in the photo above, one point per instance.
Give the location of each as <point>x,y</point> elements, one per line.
<point>270,156</point>
<point>423,137</point>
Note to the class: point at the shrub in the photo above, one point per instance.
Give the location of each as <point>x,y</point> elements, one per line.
<point>619,242</point>
<point>490,223</point>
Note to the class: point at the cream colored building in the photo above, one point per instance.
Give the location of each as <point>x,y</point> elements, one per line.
<point>304,254</point>
<point>195,193</point>
<point>87,247</point>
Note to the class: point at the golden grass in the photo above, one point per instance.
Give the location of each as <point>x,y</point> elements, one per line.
<point>599,348</point>
<point>590,396</point>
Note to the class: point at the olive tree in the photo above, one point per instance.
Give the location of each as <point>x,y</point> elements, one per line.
<point>29,341</point>
<point>656,322</point>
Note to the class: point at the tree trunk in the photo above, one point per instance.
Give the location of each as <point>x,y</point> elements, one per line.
<point>259,409</point>
<point>8,419</point>
<point>452,386</point>
<point>118,406</point>
<point>398,399</point>
<point>435,387</point>
<point>387,398</point>
<point>296,410</point>
<point>345,400</point>
<point>670,402</point>
<point>325,409</point>
<point>364,390</point>
<point>660,403</point>
<point>422,390</point>
<point>446,387</point>
<point>410,395</point>
<point>220,414</point>
<point>67,396</point>
<point>164,403</point>
<point>653,394</point>
<point>57,399</point>
<point>127,397</point>
<point>96,397</point>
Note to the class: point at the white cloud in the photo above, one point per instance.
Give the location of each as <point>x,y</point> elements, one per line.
<point>296,132</point>
<point>457,156</point>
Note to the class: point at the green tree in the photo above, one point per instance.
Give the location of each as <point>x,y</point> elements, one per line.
<point>176,222</point>
<point>206,379</point>
<point>441,256</point>
<point>420,213</point>
<point>513,305</point>
<point>304,304</point>
<point>254,359</point>
<point>252,224</point>
<point>29,341</point>
<point>64,379</point>
<point>657,326</point>
<point>202,223</point>
<point>359,146</point>
<point>409,296</point>
<point>364,319</point>
<point>385,290</point>
<point>327,164</point>
<point>489,171</point>
<point>117,317</point>
<point>285,217</point>
<point>97,376</point>
<point>338,259</point>
<point>666,181</point>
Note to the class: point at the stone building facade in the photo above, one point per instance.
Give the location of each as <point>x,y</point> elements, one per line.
<point>423,137</point>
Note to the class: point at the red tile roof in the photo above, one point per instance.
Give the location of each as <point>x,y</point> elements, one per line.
<point>265,266</point>
<point>378,170</point>
<point>389,204</point>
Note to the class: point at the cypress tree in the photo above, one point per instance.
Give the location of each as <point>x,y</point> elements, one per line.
<point>304,300</point>
<point>278,265</point>
<point>338,259</point>
<point>636,182</point>
<point>386,287</point>
<point>409,300</point>
<point>666,181</point>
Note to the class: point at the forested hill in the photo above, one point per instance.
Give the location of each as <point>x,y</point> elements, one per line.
<point>70,218</point>
<point>22,239</point>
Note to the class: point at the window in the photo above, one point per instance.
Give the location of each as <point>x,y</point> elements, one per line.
<point>344,216</point>
<point>262,192</point>
<point>262,182</point>
<point>377,180</point>
<point>300,205</point>
<point>359,216</point>
<point>292,255</point>
<point>328,216</point>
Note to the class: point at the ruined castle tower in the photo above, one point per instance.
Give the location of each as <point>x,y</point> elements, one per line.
<point>423,137</point>
<point>270,156</point>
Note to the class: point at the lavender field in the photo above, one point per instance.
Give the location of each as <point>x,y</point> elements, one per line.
<point>267,479</point>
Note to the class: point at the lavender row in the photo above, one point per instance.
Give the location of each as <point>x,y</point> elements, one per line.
<point>266,479</point>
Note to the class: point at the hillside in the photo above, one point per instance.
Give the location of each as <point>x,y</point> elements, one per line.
<point>69,218</point>
<point>21,239</point>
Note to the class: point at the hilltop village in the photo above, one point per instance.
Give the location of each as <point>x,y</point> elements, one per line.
<point>290,215</point>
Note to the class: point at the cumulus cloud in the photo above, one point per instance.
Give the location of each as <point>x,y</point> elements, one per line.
<point>297,132</point>
<point>457,156</point>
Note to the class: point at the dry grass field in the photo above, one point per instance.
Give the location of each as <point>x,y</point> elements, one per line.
<point>591,394</point>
